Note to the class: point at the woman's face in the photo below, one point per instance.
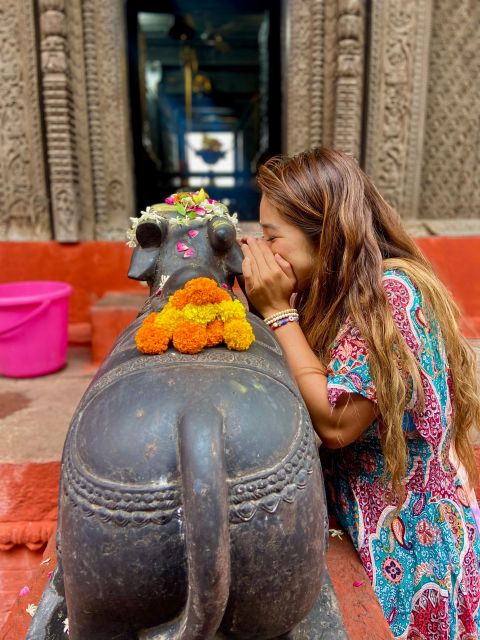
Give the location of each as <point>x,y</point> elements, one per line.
<point>289,242</point>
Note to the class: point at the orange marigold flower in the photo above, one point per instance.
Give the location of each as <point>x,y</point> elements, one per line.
<point>238,334</point>
<point>151,339</point>
<point>201,291</point>
<point>189,337</point>
<point>179,299</point>
<point>150,319</point>
<point>214,333</point>
<point>221,295</point>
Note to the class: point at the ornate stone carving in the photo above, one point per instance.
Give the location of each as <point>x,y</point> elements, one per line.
<point>349,77</point>
<point>325,69</point>
<point>59,119</point>
<point>109,120</point>
<point>396,102</point>
<point>451,159</point>
<point>146,504</point>
<point>86,118</point>
<point>24,210</point>
<point>304,69</point>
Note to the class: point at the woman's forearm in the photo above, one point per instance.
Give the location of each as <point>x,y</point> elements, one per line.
<point>336,426</point>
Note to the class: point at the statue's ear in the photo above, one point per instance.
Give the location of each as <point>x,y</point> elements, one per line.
<point>151,234</point>
<point>234,259</point>
<point>221,234</point>
<point>143,263</point>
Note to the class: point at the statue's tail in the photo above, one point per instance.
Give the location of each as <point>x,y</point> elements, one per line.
<point>205,505</point>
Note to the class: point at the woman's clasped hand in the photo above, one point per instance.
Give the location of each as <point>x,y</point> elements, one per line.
<point>269,278</point>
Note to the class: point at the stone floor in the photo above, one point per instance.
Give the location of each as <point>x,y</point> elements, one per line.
<point>35,412</point>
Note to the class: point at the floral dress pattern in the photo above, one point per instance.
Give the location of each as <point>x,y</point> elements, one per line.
<point>423,561</point>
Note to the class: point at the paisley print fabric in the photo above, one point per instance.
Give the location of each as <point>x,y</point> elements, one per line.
<point>424,559</point>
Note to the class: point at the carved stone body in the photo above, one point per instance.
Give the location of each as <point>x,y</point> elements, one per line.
<point>191,497</point>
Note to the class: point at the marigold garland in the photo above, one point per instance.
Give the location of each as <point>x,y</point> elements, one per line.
<point>202,314</point>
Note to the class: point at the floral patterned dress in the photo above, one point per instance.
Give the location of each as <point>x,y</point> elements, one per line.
<point>424,561</point>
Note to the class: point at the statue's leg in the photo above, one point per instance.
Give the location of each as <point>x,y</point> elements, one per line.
<point>47,623</point>
<point>324,622</point>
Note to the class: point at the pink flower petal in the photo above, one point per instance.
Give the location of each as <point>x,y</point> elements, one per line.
<point>49,575</point>
<point>224,285</point>
<point>170,200</point>
<point>357,583</point>
<point>189,253</point>
<point>199,211</point>
<point>24,591</point>
<point>181,246</point>
<point>193,233</point>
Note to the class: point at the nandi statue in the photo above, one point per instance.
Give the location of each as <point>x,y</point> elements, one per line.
<point>191,499</point>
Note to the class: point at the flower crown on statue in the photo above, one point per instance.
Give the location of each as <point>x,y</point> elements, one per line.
<point>202,314</point>
<point>190,207</point>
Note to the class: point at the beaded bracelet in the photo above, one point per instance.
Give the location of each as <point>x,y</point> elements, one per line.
<point>283,321</point>
<point>279,315</point>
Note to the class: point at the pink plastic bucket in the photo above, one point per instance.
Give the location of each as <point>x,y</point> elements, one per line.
<point>33,327</point>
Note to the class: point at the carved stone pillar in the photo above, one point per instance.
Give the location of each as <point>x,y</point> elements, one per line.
<point>109,117</point>
<point>325,69</point>
<point>304,74</point>
<point>451,158</point>
<point>86,118</point>
<point>398,73</point>
<point>24,213</point>
<point>349,76</point>
<point>68,200</point>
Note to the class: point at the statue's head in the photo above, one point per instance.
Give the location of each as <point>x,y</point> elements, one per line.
<point>189,236</point>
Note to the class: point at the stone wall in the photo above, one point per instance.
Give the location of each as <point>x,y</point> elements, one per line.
<point>393,83</point>
<point>65,150</point>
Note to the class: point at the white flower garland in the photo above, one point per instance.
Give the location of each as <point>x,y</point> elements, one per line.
<point>212,210</point>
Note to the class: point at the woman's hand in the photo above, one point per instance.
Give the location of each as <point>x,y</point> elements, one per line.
<point>269,279</point>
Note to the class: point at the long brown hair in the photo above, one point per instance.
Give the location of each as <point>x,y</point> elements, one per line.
<point>357,236</point>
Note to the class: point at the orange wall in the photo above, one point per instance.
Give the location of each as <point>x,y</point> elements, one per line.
<point>457,263</point>
<point>93,268</point>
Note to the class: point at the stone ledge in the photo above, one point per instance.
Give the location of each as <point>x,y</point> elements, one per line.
<point>453,228</point>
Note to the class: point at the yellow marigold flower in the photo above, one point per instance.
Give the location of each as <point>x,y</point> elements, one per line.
<point>168,317</point>
<point>238,334</point>
<point>231,309</point>
<point>189,337</point>
<point>214,333</point>
<point>202,314</point>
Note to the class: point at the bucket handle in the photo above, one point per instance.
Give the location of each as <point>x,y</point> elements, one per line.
<point>41,307</point>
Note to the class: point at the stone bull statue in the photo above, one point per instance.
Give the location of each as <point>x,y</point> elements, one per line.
<point>191,499</point>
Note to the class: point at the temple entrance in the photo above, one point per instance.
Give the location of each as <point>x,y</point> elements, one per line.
<point>205,90</point>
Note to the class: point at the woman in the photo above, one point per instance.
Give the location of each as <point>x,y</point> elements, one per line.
<point>388,380</point>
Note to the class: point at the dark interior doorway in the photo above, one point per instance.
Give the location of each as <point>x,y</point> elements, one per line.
<point>205,91</point>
